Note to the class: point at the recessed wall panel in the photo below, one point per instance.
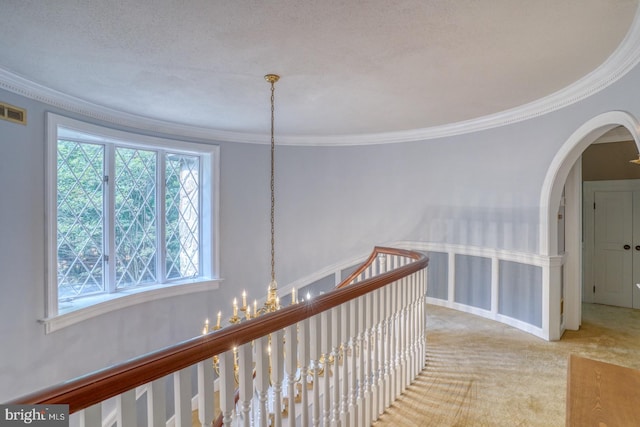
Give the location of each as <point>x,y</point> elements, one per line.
<point>473,281</point>
<point>438,275</point>
<point>520,292</point>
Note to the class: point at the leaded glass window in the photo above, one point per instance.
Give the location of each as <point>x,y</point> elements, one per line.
<point>115,211</point>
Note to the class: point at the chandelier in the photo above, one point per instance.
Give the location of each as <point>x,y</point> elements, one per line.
<point>244,311</point>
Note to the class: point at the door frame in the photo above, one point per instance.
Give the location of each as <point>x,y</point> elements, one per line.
<point>565,311</point>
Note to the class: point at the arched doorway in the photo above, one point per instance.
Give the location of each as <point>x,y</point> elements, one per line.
<point>564,175</point>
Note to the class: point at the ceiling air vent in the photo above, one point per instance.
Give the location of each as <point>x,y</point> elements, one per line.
<point>13,114</point>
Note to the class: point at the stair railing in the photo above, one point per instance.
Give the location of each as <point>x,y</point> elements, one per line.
<point>338,359</point>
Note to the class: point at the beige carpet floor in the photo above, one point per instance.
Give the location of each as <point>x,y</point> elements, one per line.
<point>483,373</point>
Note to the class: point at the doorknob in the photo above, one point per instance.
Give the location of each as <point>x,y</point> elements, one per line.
<point>637,247</point>
<point>627,247</point>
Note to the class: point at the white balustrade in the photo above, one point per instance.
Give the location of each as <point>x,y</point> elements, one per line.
<point>341,367</point>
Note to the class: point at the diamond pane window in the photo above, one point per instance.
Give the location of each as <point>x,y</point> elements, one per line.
<point>80,219</point>
<point>135,217</point>
<point>126,212</point>
<point>182,221</point>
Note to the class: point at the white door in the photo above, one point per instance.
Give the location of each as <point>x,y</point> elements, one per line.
<point>636,250</point>
<point>613,248</point>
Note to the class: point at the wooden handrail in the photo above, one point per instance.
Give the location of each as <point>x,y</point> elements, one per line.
<point>96,387</point>
<point>378,250</point>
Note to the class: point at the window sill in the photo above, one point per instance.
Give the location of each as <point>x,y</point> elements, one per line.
<point>86,308</point>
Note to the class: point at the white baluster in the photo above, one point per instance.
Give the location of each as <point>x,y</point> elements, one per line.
<point>344,344</point>
<point>382,332</point>
<point>304,360</point>
<point>390,336</point>
<point>315,352</point>
<point>411,323</point>
<point>245,383</point>
<point>423,318</point>
<point>205,391</point>
<point>368,321</point>
<point>410,331</point>
<point>261,346</point>
<point>126,409</point>
<point>406,331</point>
<point>335,352</point>
<point>156,403</point>
<point>416,325</point>
<point>353,380</point>
<point>277,373</point>
<point>403,323</point>
<point>362,351</point>
<point>227,387</point>
<point>379,307</point>
<point>375,298</point>
<point>409,317</point>
<point>382,263</point>
<point>182,397</point>
<point>291,368</point>
<point>325,319</point>
<point>91,416</point>
<point>381,350</point>
<point>387,345</point>
<point>394,341</point>
<point>398,328</point>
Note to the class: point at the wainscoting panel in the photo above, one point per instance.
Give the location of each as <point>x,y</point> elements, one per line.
<point>438,275</point>
<point>520,292</point>
<point>473,281</point>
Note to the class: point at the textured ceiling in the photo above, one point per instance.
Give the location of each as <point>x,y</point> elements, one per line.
<point>347,67</point>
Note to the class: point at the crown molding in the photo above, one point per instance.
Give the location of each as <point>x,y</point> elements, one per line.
<point>21,86</point>
<point>623,59</point>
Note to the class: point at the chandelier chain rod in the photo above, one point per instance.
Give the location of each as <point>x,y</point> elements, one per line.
<point>273,197</point>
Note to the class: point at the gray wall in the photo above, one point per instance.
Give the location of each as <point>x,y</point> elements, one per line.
<point>333,203</point>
